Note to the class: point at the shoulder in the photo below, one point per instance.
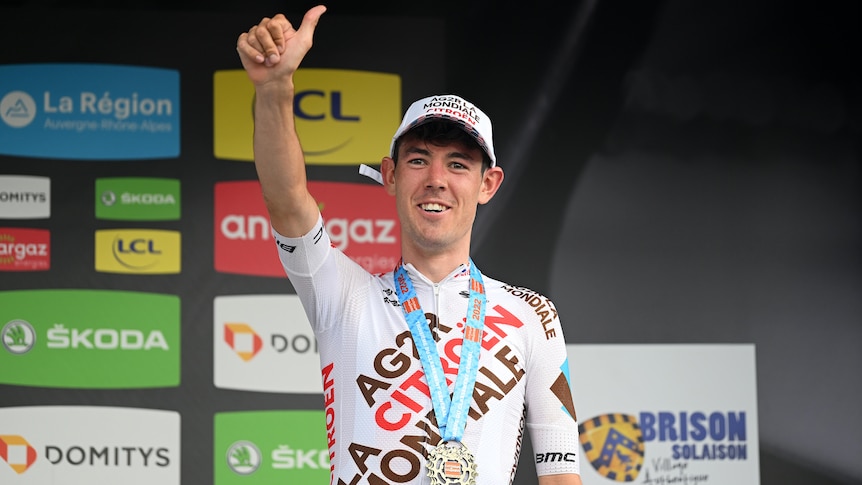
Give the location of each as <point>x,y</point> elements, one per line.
<point>524,302</point>
<point>532,314</point>
<point>513,293</point>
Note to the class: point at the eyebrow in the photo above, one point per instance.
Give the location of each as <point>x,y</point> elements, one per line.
<point>415,150</point>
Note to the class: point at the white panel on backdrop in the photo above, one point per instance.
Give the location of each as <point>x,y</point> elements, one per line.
<point>663,414</point>
<point>264,343</point>
<point>25,197</point>
<point>84,445</point>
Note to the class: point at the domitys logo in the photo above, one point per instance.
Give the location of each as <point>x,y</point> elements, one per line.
<point>17,452</point>
<point>243,340</point>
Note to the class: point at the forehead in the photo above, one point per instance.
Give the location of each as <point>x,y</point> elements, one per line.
<point>413,144</point>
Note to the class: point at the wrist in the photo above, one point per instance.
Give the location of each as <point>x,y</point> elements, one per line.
<point>282,89</point>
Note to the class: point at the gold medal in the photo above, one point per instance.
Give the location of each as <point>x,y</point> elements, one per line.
<point>451,463</point>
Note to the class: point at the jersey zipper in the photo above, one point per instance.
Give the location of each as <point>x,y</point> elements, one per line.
<point>437,300</point>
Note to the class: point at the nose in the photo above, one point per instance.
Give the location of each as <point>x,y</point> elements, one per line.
<point>436,175</point>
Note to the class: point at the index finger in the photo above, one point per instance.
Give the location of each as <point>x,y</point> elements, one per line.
<point>277,26</point>
<point>270,35</point>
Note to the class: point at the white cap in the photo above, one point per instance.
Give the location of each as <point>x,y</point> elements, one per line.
<point>449,108</point>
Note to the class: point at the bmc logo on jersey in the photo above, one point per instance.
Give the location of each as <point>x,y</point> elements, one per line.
<point>343,117</point>
<point>25,249</point>
<point>137,251</point>
<point>367,232</point>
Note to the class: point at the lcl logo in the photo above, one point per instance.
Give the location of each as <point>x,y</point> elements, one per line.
<point>138,251</point>
<point>301,107</point>
<point>135,246</point>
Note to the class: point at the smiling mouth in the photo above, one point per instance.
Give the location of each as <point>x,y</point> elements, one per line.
<point>432,207</point>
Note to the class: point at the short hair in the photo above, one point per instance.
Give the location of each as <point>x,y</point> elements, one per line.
<point>441,132</point>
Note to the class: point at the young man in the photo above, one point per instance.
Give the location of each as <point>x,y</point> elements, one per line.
<point>433,371</point>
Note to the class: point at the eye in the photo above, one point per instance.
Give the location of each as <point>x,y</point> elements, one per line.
<point>415,161</point>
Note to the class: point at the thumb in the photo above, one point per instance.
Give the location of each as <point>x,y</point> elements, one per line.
<point>309,21</point>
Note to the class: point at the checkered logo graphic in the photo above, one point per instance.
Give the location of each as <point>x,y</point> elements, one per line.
<point>614,445</point>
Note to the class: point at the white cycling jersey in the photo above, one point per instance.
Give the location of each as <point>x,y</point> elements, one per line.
<point>379,418</point>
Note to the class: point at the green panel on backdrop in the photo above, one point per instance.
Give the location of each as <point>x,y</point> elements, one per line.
<point>263,447</point>
<point>89,339</point>
<point>138,199</point>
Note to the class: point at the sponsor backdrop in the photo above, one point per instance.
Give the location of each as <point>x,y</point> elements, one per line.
<point>148,332</point>
<point>148,335</point>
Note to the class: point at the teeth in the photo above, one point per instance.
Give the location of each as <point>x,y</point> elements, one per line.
<point>433,207</point>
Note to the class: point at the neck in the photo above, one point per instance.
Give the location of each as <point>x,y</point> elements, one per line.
<point>435,267</point>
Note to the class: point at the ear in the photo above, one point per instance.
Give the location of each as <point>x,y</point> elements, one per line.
<point>387,170</point>
<point>491,181</point>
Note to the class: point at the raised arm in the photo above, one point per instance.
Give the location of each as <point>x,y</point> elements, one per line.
<point>271,53</point>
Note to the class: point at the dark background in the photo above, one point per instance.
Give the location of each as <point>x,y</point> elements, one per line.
<point>677,171</point>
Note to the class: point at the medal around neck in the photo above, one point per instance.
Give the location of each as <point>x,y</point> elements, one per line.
<point>451,463</point>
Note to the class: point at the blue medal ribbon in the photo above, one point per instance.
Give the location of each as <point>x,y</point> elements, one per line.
<point>451,413</point>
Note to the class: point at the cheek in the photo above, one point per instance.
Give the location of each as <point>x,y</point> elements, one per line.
<point>402,206</point>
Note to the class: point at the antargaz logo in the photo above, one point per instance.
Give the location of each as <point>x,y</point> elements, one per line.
<point>343,117</point>
<point>367,233</point>
<point>17,452</point>
<point>98,339</point>
<point>23,249</point>
<point>89,112</point>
